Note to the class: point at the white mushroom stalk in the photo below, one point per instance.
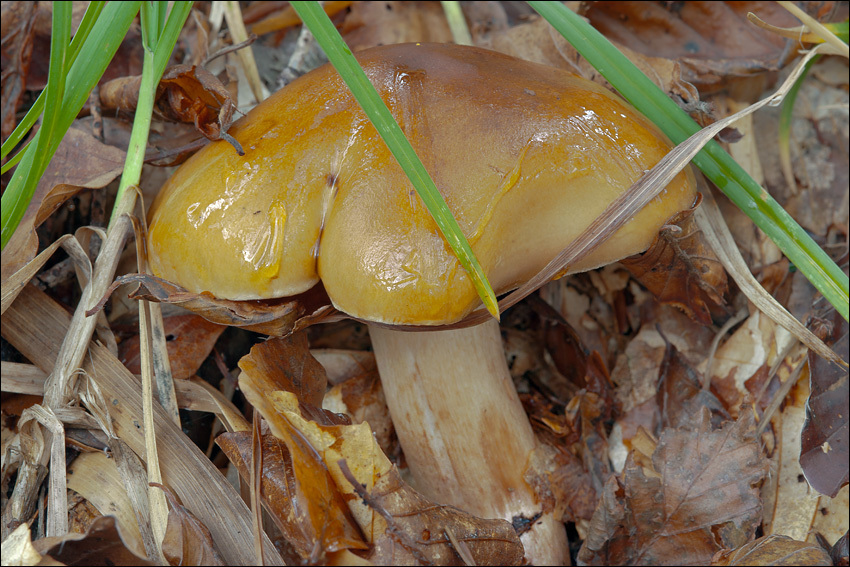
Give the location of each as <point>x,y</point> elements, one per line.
<point>464,432</point>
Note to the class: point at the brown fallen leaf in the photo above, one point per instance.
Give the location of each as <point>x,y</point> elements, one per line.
<point>17,34</point>
<point>80,162</point>
<point>274,317</point>
<point>697,496</point>
<point>100,546</point>
<point>185,93</point>
<point>187,540</point>
<point>189,339</point>
<point>774,550</point>
<point>403,527</point>
<point>680,269</point>
<point>300,496</point>
<point>825,445</point>
<point>712,41</point>
<point>285,364</point>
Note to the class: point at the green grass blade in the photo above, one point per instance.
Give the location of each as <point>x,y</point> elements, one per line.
<point>95,54</point>
<point>159,35</point>
<point>54,92</point>
<point>92,13</point>
<point>169,33</point>
<point>786,115</point>
<point>346,65</point>
<point>714,162</point>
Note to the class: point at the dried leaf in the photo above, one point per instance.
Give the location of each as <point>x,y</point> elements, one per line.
<point>825,450</point>
<point>100,546</point>
<point>17,42</point>
<point>186,93</point>
<point>774,550</point>
<point>680,269</point>
<point>189,93</point>
<point>285,364</point>
<point>302,499</point>
<point>187,540</point>
<point>420,532</point>
<point>80,162</point>
<point>274,317</point>
<point>700,497</point>
<point>401,525</point>
<point>189,339</point>
<point>713,41</point>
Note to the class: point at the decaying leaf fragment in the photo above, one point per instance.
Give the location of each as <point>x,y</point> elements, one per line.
<point>698,495</point>
<point>826,433</point>
<point>775,550</point>
<point>186,93</point>
<point>187,540</point>
<point>274,317</point>
<point>300,496</point>
<point>400,525</point>
<point>681,269</point>
<point>101,545</point>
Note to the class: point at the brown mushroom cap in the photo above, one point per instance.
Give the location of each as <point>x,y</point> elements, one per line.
<point>526,156</point>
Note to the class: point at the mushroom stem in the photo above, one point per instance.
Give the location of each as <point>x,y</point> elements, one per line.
<point>465,435</point>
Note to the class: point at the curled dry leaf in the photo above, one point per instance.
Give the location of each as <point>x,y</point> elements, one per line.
<point>187,540</point>
<point>401,526</point>
<point>681,269</point>
<point>274,317</point>
<point>697,496</point>
<point>190,93</point>
<point>100,546</point>
<point>80,162</point>
<point>774,550</point>
<point>561,483</point>
<point>186,93</point>
<point>825,446</point>
<point>189,339</point>
<point>285,364</point>
<point>299,494</point>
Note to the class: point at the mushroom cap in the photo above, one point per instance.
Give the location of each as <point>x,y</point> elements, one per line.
<point>526,156</point>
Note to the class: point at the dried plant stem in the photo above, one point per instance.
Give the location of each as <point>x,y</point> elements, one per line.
<point>35,324</point>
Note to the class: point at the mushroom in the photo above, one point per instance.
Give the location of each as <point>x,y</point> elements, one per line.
<point>525,155</point>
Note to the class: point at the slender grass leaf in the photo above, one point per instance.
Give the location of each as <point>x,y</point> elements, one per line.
<point>95,54</point>
<point>92,13</point>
